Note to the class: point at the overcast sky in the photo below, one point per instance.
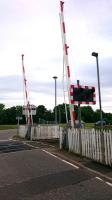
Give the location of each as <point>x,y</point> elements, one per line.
<point>32,28</point>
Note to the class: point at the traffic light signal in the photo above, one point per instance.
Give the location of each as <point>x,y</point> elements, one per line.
<point>83,94</point>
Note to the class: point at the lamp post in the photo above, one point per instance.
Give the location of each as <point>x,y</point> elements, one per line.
<point>55,78</point>
<point>98,78</point>
<point>101,118</point>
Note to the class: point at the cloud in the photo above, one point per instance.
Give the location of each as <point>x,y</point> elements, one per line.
<point>33,29</point>
<point>15,84</point>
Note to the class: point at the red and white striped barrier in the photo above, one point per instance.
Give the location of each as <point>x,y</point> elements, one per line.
<point>29,119</point>
<point>66,62</point>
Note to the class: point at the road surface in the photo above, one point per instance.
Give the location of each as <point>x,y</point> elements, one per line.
<point>7,134</point>
<point>36,174</point>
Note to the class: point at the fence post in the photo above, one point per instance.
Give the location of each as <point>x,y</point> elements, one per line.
<point>80,141</point>
<point>102,146</point>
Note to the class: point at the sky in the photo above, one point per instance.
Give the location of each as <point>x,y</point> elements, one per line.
<point>32,28</point>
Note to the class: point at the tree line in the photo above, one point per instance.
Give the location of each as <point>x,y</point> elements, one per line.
<point>9,115</point>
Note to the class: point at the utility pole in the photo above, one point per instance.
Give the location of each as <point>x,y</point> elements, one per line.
<point>55,78</point>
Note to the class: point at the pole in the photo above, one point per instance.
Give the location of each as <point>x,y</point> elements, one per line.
<point>99,92</point>
<point>55,78</point>
<point>79,118</point>
<point>98,77</point>
<point>79,109</point>
<point>101,118</point>
<point>66,62</point>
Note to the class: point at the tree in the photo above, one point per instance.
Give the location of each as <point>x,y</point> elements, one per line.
<point>19,110</point>
<point>87,114</point>
<point>2,106</point>
<point>2,113</point>
<point>11,115</point>
<point>43,114</point>
<point>61,115</point>
<point>8,116</point>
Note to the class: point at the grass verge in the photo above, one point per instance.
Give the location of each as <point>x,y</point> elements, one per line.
<point>5,127</point>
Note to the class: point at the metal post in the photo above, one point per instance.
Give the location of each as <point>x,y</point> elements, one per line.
<point>55,77</point>
<point>101,118</point>
<point>98,78</point>
<point>79,109</point>
<point>79,118</point>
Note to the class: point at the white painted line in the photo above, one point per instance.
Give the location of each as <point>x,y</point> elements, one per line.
<point>30,145</point>
<point>99,178</point>
<point>49,153</point>
<point>61,159</point>
<point>70,164</point>
<point>110,184</point>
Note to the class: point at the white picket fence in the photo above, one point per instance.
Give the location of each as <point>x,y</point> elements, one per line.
<point>45,132</point>
<point>22,131</point>
<point>40,131</point>
<point>90,143</point>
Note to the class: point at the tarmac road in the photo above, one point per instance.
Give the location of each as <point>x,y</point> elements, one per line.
<point>7,134</point>
<point>36,174</point>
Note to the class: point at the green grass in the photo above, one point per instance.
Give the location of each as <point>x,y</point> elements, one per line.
<point>89,125</point>
<point>5,127</point>
<point>62,125</point>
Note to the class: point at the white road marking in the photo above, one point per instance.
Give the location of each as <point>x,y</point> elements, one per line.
<point>61,159</point>
<point>106,182</point>
<point>70,164</point>
<point>49,153</point>
<point>99,178</point>
<point>30,145</point>
<point>110,184</point>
